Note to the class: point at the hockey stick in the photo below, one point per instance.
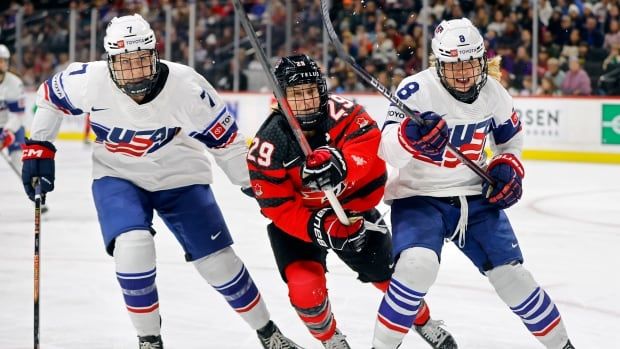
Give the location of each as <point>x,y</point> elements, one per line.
<point>286,109</point>
<point>387,94</point>
<point>38,198</point>
<point>11,164</point>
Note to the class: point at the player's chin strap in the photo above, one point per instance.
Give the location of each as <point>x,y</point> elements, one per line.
<point>461,226</point>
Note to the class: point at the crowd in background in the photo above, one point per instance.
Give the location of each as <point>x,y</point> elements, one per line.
<point>579,41</point>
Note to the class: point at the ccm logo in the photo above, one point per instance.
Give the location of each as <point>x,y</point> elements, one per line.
<point>32,153</point>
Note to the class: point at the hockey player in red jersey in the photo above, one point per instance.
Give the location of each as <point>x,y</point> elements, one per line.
<point>290,191</point>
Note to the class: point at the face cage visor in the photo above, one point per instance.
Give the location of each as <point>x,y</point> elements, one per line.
<point>134,73</point>
<point>308,102</point>
<point>464,79</point>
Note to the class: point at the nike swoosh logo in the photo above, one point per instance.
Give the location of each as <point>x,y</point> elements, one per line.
<point>98,109</point>
<point>214,236</point>
<point>390,265</point>
<point>514,245</point>
<point>286,164</point>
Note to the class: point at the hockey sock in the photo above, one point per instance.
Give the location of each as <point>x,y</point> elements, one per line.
<point>225,272</point>
<point>518,289</point>
<point>308,295</point>
<point>134,255</point>
<point>415,272</point>
<point>424,313</point>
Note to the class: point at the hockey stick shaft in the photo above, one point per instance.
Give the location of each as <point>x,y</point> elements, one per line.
<point>11,164</point>
<point>387,94</point>
<point>37,257</point>
<point>286,109</point>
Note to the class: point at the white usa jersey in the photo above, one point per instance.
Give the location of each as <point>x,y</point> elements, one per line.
<point>11,102</point>
<point>156,145</point>
<point>491,114</point>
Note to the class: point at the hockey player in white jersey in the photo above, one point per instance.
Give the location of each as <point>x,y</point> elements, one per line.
<point>435,197</point>
<point>152,120</point>
<point>11,110</point>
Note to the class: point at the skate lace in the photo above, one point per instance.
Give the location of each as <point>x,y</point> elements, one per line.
<point>338,341</point>
<point>147,345</point>
<point>278,341</point>
<point>433,331</point>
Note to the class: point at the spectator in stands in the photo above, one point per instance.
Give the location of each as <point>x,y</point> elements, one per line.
<point>522,66</point>
<point>545,11</point>
<point>613,60</point>
<point>577,81</point>
<point>397,76</point>
<point>571,48</point>
<point>547,88</point>
<point>498,25</point>
<point>613,36</point>
<point>591,33</point>
<point>554,72</point>
<point>566,26</point>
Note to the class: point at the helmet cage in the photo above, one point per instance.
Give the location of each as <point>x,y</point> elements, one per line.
<point>480,68</point>
<point>293,71</point>
<point>122,65</point>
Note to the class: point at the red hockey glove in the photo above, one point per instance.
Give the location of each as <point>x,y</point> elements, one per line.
<point>326,231</point>
<point>430,138</point>
<point>6,138</point>
<point>508,172</point>
<point>324,169</point>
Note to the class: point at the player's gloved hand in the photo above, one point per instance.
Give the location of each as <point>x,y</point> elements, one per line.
<point>430,138</point>
<point>324,169</point>
<point>326,231</point>
<point>508,172</point>
<point>38,159</point>
<point>6,138</point>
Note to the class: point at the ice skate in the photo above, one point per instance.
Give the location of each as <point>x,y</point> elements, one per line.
<point>271,338</point>
<point>150,342</point>
<point>568,345</point>
<point>435,335</point>
<point>338,341</point>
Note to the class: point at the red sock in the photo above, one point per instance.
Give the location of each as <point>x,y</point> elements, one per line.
<point>424,314</point>
<point>308,294</point>
<point>383,285</point>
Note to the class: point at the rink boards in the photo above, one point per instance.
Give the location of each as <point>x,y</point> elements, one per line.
<point>557,128</point>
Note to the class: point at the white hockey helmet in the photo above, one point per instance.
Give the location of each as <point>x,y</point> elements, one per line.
<point>458,40</point>
<point>4,52</point>
<point>125,35</point>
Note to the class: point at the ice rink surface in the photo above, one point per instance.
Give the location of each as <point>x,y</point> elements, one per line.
<point>568,224</point>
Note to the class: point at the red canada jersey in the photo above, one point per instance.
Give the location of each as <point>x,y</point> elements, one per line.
<point>275,159</point>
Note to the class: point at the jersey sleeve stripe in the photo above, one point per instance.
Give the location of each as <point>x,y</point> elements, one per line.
<point>273,202</point>
<point>56,94</point>
<point>366,190</point>
<point>16,107</point>
<point>504,132</point>
<point>256,175</point>
<point>361,131</point>
<point>388,122</point>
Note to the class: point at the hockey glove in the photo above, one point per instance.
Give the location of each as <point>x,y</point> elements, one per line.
<point>430,138</point>
<point>324,169</point>
<point>508,172</point>
<point>38,159</point>
<point>6,138</point>
<point>325,230</point>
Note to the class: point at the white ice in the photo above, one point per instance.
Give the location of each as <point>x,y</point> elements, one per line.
<point>568,225</point>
